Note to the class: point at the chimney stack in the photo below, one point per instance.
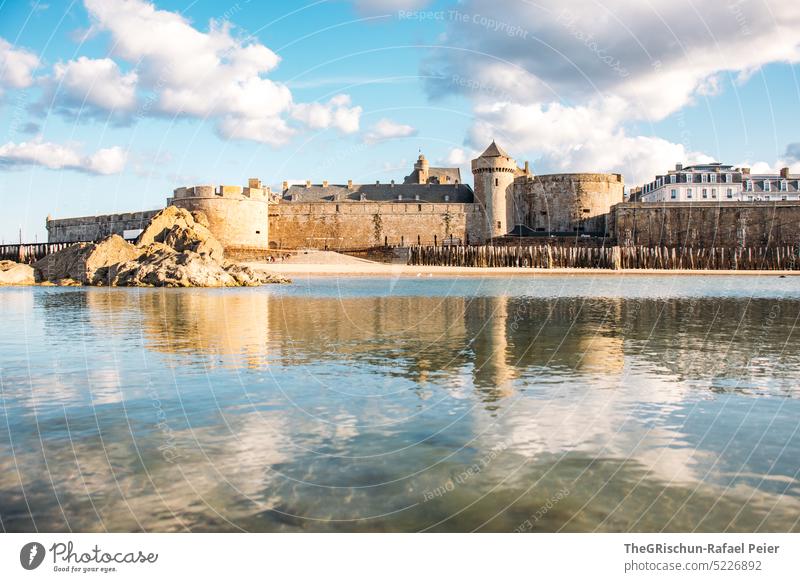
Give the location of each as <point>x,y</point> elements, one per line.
<point>527,167</point>
<point>308,183</point>
<point>285,186</point>
<point>349,184</point>
<point>678,167</point>
<point>254,183</point>
<point>784,173</point>
<point>745,170</point>
<point>324,183</point>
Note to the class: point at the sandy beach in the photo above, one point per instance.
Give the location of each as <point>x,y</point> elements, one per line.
<point>327,263</point>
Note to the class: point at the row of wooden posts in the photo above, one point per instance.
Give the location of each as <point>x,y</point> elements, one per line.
<point>30,253</point>
<point>609,257</point>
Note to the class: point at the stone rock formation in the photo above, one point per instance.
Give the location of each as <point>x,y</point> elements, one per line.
<point>178,229</point>
<point>12,273</point>
<point>86,263</point>
<point>175,250</point>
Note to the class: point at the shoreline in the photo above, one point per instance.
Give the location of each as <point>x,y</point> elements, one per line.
<point>390,270</point>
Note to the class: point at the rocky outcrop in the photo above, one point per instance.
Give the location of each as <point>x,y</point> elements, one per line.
<point>176,249</point>
<point>12,273</point>
<point>87,263</point>
<point>178,229</point>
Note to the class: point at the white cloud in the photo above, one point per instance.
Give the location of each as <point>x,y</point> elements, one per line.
<point>335,113</point>
<point>388,129</point>
<point>457,157</point>
<point>86,84</point>
<point>16,66</point>
<point>215,75</point>
<point>56,157</point>
<point>564,82</point>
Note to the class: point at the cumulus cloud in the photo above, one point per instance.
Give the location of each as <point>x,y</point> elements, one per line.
<point>387,129</point>
<point>57,157</point>
<point>216,75</point>
<point>335,113</point>
<point>16,66</point>
<point>91,86</point>
<point>561,81</point>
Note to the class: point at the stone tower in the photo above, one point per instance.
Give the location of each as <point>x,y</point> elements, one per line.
<point>494,171</point>
<point>422,168</point>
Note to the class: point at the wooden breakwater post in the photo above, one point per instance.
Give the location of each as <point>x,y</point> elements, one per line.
<point>546,256</point>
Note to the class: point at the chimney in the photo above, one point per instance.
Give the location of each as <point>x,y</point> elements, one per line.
<point>784,173</point>
<point>745,170</point>
<point>678,167</point>
<point>527,167</point>
<point>377,182</point>
<point>285,186</point>
<point>254,183</point>
<point>308,183</point>
<point>392,183</point>
<point>324,183</point>
<point>349,184</point>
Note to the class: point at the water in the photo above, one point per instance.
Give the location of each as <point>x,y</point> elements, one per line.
<point>592,403</point>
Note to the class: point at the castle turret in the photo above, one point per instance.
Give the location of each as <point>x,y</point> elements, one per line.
<point>422,168</point>
<point>494,173</point>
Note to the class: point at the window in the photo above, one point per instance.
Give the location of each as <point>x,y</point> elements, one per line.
<point>704,178</point>
<point>688,178</point>
<point>784,185</point>
<point>499,224</point>
<point>730,192</point>
<point>672,179</point>
<point>496,181</point>
<point>750,198</point>
<point>586,210</point>
<point>784,197</point>
<point>748,185</point>
<point>766,185</point>
<point>728,178</point>
<point>705,192</point>
<point>673,193</point>
<point>713,192</point>
<point>688,192</point>
<point>713,178</point>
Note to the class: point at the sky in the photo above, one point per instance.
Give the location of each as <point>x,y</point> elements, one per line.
<point>108,105</point>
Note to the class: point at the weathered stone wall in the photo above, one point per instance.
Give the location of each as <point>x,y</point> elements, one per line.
<point>706,224</point>
<point>239,223</point>
<point>566,202</point>
<point>91,228</point>
<point>355,225</point>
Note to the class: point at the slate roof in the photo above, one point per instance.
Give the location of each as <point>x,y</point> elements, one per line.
<point>494,151</point>
<point>461,193</point>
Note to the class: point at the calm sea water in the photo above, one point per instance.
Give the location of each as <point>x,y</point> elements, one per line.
<point>542,404</point>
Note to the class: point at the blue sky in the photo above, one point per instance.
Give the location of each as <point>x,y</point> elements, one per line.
<point>107,106</point>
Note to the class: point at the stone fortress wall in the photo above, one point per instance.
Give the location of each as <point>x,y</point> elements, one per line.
<point>359,225</point>
<point>238,216</point>
<point>706,224</point>
<point>566,203</point>
<point>92,228</point>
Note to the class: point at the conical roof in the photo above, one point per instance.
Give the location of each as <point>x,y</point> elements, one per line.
<point>494,151</point>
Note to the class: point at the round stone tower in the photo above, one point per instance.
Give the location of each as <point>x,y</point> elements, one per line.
<point>422,168</point>
<point>237,216</point>
<point>494,171</point>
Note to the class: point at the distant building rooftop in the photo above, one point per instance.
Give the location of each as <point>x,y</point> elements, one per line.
<point>460,193</point>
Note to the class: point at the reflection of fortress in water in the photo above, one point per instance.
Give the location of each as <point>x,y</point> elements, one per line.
<point>492,343</point>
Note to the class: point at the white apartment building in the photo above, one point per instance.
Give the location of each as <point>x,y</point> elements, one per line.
<point>719,183</point>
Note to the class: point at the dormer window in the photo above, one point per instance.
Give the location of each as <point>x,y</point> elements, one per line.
<point>748,185</point>
<point>704,178</point>
<point>728,178</point>
<point>766,185</point>
<point>672,179</point>
<point>713,178</point>
<point>784,186</point>
<point>688,178</point>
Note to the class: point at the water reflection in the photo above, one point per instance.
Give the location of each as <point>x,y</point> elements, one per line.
<point>442,405</point>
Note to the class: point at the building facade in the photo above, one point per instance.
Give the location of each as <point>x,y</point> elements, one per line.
<point>718,182</point>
